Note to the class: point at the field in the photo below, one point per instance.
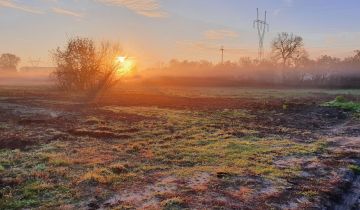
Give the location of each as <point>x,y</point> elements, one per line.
<point>180,148</point>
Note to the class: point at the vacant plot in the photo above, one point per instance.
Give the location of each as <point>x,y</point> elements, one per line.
<point>169,148</point>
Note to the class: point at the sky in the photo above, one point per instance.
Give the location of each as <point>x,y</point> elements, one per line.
<point>155,31</point>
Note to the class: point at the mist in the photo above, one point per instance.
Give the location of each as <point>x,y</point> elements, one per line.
<point>27,76</point>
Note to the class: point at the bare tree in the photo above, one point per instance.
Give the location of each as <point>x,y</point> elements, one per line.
<point>9,62</point>
<point>108,66</point>
<point>81,66</point>
<point>357,55</point>
<point>288,49</point>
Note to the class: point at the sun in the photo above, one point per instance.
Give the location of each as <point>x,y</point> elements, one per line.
<point>126,65</point>
<point>121,59</point>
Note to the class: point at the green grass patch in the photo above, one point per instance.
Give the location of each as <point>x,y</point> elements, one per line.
<point>355,169</point>
<point>238,156</point>
<point>342,103</point>
<point>34,193</point>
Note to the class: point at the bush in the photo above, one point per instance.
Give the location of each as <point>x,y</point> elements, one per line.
<point>340,99</point>
<point>82,66</point>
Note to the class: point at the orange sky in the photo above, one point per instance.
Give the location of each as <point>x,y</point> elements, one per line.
<point>155,31</point>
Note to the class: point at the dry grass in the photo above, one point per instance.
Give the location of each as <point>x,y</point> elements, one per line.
<point>170,159</point>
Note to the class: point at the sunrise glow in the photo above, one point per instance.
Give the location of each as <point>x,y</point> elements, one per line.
<point>121,59</point>
<point>126,65</point>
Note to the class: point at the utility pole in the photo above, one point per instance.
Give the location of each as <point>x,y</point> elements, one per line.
<point>34,62</point>
<point>261,26</point>
<point>222,54</point>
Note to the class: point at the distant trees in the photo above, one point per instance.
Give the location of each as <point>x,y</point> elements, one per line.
<point>302,71</point>
<point>357,55</point>
<point>9,62</point>
<point>288,49</point>
<point>83,66</point>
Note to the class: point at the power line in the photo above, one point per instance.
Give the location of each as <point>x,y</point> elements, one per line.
<point>261,26</point>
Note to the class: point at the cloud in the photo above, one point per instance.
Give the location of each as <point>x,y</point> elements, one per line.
<point>14,5</point>
<point>196,45</point>
<point>62,11</point>
<point>148,8</point>
<point>220,34</point>
<point>289,2</point>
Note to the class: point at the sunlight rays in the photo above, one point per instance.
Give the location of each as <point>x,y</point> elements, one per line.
<point>126,65</point>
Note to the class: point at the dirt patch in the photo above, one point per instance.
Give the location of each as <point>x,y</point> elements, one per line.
<point>345,146</point>
<point>144,196</point>
<point>303,122</point>
<point>199,182</point>
<point>349,128</point>
<point>122,117</point>
<point>15,143</point>
<point>97,133</point>
<point>351,199</point>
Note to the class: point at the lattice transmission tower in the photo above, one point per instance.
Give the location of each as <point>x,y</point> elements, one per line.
<point>262,26</point>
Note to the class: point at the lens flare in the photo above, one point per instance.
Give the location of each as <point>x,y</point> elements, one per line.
<point>126,65</point>
<point>121,59</point>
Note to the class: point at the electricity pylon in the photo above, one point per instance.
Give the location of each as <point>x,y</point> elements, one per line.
<point>261,26</point>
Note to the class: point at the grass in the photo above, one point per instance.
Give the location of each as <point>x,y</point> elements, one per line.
<point>32,193</point>
<point>240,158</point>
<point>185,143</point>
<point>342,103</point>
<point>355,169</point>
<point>173,204</point>
<point>98,175</point>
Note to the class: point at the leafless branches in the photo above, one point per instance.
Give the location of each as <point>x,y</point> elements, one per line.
<point>82,66</point>
<point>288,49</point>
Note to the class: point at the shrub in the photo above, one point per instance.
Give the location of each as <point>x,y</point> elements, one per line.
<point>82,66</point>
<point>355,169</point>
<point>340,99</point>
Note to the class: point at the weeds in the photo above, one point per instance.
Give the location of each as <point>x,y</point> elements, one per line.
<point>355,169</point>
<point>342,103</point>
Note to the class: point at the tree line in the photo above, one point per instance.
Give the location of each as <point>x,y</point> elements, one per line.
<point>288,64</point>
